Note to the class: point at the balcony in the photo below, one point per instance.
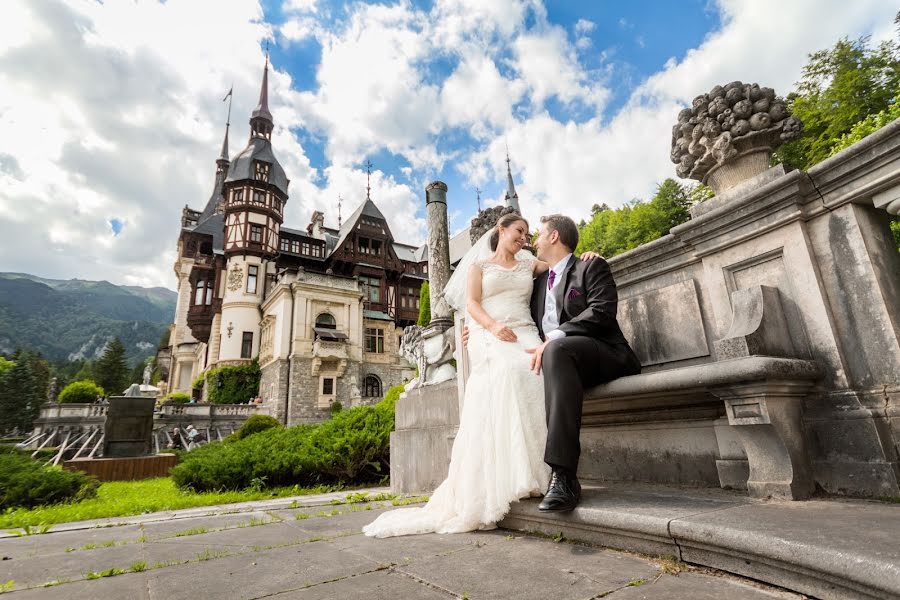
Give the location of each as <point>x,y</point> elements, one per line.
<point>330,349</point>
<point>200,318</point>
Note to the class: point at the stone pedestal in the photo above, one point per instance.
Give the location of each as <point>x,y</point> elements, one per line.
<point>129,427</point>
<point>426,421</point>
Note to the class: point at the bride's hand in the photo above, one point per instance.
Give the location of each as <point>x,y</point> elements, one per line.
<point>503,333</point>
<point>589,256</point>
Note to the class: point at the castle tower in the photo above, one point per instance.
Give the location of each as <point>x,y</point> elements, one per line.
<point>255,192</point>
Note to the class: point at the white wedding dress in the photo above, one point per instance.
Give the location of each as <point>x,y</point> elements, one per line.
<point>497,456</point>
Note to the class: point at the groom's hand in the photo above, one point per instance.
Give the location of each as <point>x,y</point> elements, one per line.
<point>586,256</point>
<point>536,354</point>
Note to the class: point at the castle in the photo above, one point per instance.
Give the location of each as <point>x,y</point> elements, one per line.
<point>322,309</point>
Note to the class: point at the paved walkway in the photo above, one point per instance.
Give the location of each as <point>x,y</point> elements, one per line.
<point>312,548</point>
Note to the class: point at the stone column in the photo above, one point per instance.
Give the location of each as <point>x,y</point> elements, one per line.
<point>438,249</point>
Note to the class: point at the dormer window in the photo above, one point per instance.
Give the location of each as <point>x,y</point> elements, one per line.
<point>237,196</point>
<point>262,170</point>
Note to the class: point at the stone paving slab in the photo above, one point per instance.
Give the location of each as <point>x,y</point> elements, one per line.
<point>695,586</point>
<point>382,585</point>
<point>325,557</point>
<point>259,574</point>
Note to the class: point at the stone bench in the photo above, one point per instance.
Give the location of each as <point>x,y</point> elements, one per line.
<point>761,397</point>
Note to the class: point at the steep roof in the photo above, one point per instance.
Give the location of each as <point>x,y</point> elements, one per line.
<point>258,148</point>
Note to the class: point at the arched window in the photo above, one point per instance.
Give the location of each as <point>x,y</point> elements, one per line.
<point>371,387</point>
<point>326,321</point>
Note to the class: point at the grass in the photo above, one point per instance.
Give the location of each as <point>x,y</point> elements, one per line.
<point>194,531</point>
<point>127,498</point>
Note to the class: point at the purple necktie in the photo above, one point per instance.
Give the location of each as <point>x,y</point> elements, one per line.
<point>551,279</point>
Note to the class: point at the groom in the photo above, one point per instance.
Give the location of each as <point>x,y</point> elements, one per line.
<point>574,306</point>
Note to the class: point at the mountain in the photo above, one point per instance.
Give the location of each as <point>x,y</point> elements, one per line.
<point>74,319</point>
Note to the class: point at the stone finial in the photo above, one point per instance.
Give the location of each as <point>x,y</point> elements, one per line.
<point>729,133</point>
<point>486,220</point>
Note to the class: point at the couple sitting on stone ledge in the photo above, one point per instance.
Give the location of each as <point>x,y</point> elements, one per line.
<point>541,331</point>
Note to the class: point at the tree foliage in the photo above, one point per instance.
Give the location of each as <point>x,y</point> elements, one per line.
<point>19,399</point>
<point>424,305</point>
<point>840,87</point>
<point>111,370</point>
<point>613,231</point>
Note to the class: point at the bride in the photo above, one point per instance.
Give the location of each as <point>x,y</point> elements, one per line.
<point>497,456</point>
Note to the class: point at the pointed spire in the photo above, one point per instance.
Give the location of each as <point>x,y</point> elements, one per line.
<point>512,198</point>
<point>368,178</point>
<point>262,108</point>
<point>223,155</point>
<point>340,201</point>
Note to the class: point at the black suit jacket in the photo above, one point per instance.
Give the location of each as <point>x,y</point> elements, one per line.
<point>586,301</point>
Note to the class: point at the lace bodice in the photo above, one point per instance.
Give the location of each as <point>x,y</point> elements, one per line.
<point>506,292</point>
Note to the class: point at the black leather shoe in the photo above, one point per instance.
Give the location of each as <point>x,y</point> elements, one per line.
<point>563,493</point>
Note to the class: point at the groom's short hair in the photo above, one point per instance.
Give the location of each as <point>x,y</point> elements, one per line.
<point>568,231</point>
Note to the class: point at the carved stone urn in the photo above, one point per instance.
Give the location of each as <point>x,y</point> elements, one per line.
<point>728,135</point>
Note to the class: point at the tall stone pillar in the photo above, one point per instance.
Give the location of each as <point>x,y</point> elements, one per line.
<point>438,250</point>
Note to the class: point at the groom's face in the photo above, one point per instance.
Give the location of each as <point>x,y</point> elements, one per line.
<point>544,241</point>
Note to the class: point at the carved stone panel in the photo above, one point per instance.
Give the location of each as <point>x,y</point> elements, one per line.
<point>664,325</point>
<point>768,269</point>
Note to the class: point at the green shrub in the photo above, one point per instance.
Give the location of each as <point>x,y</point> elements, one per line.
<point>197,384</point>
<point>335,408</point>
<point>178,398</point>
<point>353,446</point>
<point>254,424</point>
<point>24,482</point>
<point>80,392</point>
<point>233,385</point>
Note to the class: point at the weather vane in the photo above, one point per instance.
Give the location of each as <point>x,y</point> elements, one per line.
<point>478,194</point>
<point>368,178</point>
<point>340,200</point>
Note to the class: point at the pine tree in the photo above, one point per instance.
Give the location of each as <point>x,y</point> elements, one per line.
<point>19,400</point>
<point>111,370</point>
<point>424,305</point>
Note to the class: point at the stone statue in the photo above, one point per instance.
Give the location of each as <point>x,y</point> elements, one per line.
<point>147,372</point>
<point>733,124</point>
<point>355,394</point>
<point>53,390</point>
<point>431,355</point>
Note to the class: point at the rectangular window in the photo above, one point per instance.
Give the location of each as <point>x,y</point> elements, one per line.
<point>285,245</point>
<point>317,250</point>
<point>237,196</point>
<point>295,246</point>
<point>327,386</point>
<point>305,247</point>
<point>374,340</point>
<point>371,288</point>
<point>199,292</point>
<point>262,170</point>
<point>363,246</point>
<point>247,344</point>
<point>256,233</point>
<point>376,248</point>
<point>252,275</point>
<point>259,197</point>
<point>425,269</point>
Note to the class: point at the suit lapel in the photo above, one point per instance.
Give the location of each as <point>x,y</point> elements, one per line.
<point>559,290</point>
<point>541,296</point>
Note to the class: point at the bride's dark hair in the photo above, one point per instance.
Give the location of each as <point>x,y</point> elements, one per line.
<point>504,222</point>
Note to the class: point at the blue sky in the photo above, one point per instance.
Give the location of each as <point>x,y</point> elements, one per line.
<point>111,114</point>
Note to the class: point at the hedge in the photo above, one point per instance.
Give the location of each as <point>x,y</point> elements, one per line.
<point>254,424</point>
<point>177,398</point>
<point>351,447</point>
<point>233,385</point>
<point>25,482</point>
<point>80,392</point>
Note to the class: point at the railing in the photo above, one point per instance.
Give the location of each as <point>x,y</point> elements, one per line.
<point>72,411</point>
<point>324,349</point>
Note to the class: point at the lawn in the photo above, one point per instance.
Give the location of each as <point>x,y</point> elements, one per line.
<point>125,498</point>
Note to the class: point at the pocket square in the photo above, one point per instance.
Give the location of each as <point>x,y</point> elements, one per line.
<point>573,293</point>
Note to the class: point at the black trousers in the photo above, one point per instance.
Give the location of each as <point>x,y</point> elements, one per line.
<point>570,365</point>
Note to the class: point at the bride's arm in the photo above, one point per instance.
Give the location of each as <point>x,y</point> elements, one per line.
<point>540,267</point>
<point>473,306</point>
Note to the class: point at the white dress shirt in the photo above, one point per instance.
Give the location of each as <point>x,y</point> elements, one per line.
<point>550,322</point>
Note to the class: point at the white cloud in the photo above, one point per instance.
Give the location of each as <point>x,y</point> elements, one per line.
<point>113,111</point>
